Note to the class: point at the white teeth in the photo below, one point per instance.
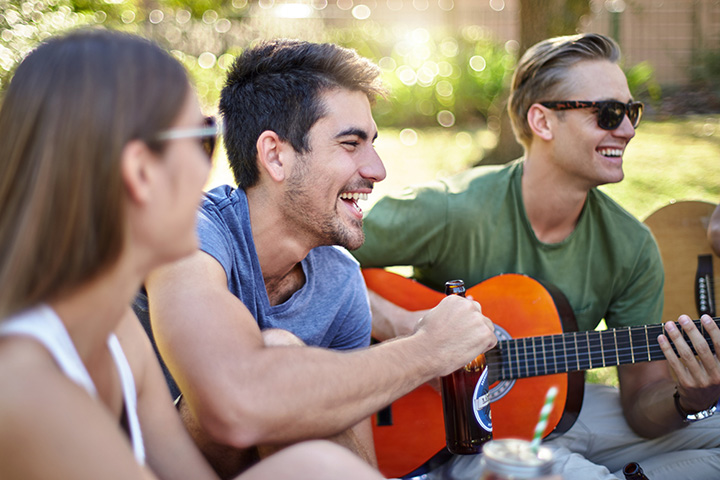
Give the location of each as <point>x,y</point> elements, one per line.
<point>354,196</point>
<point>611,152</point>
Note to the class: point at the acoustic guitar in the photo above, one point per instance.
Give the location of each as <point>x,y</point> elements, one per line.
<point>680,230</point>
<point>538,347</point>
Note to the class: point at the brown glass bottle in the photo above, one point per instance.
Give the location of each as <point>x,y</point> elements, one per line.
<point>464,396</point>
<point>633,471</point>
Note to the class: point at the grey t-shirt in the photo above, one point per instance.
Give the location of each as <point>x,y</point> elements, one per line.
<point>331,310</point>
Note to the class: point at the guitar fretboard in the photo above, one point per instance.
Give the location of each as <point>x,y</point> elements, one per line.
<point>575,351</point>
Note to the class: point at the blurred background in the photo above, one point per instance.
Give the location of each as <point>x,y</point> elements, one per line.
<point>448,64</point>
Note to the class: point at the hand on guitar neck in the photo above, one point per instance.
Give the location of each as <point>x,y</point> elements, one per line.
<point>693,361</point>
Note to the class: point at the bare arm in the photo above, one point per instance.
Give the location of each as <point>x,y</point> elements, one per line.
<point>244,393</point>
<point>391,321</point>
<point>647,388</point>
<point>714,231</point>
<point>52,428</point>
<point>170,451</point>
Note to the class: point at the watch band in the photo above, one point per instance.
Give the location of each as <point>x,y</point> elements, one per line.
<point>692,417</point>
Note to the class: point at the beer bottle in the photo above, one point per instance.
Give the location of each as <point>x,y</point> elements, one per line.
<point>466,408</point>
<point>633,471</point>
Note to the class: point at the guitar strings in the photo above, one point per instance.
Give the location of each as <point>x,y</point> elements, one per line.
<point>567,352</point>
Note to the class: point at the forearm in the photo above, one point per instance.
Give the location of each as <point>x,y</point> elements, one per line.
<point>243,392</point>
<point>652,413</point>
<point>292,393</point>
<point>389,320</point>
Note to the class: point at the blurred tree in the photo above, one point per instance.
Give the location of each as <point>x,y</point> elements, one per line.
<point>539,19</point>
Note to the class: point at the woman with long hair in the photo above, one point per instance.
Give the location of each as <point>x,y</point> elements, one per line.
<point>103,155</point>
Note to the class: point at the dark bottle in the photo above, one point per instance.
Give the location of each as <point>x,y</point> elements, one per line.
<point>633,471</point>
<point>466,408</point>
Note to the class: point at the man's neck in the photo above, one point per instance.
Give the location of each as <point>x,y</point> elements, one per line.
<point>279,248</point>
<point>552,201</point>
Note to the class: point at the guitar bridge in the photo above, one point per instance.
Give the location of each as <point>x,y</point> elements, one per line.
<point>704,286</point>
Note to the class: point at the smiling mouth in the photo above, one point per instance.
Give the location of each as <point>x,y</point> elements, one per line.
<point>352,198</point>
<point>610,152</point>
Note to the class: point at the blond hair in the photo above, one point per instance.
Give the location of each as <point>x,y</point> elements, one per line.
<point>541,74</point>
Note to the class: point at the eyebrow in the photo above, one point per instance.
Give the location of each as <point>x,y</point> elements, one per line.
<point>357,132</point>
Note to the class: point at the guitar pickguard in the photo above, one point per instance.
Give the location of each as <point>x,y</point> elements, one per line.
<point>501,388</point>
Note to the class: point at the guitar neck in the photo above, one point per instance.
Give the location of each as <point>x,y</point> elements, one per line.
<point>576,351</point>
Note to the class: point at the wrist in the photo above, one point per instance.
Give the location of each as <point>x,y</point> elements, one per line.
<point>692,416</point>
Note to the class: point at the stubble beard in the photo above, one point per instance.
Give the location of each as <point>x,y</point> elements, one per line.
<point>325,228</point>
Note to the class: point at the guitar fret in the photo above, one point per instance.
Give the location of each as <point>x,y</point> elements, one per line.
<point>587,340</point>
<point>577,356</point>
<point>519,357</point>
<point>595,341</point>
<point>565,356</point>
<point>617,356</point>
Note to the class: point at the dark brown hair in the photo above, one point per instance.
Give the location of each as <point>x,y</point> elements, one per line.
<point>278,86</point>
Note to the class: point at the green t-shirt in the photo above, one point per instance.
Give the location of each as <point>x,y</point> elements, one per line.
<point>474,226</point>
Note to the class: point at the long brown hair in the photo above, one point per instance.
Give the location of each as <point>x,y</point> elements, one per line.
<point>71,107</point>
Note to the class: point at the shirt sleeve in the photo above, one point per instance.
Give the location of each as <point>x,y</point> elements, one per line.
<point>356,327</point>
<point>405,229</point>
<point>214,238</point>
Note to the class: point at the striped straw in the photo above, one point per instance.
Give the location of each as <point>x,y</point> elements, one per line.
<point>543,420</point>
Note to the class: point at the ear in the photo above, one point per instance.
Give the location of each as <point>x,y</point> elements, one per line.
<point>136,168</point>
<point>271,159</point>
<point>540,122</point>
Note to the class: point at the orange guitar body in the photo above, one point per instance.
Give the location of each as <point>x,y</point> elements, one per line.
<point>523,308</point>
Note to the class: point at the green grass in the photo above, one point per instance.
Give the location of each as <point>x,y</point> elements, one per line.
<point>666,161</point>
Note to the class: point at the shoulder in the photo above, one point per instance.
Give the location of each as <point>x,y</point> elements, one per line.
<point>484,175</point>
<point>222,203</point>
<point>30,378</point>
<point>624,225</point>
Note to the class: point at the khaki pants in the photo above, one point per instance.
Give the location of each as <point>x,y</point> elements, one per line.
<point>600,442</point>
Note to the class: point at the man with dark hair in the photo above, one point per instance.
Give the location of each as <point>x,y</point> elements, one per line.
<point>265,329</point>
<point>543,216</point>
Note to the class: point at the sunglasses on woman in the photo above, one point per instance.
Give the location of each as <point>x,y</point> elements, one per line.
<point>610,113</point>
<point>207,135</point>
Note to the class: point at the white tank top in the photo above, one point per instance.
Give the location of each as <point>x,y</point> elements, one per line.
<point>43,324</point>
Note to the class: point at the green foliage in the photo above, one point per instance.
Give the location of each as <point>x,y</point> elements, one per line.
<point>705,68</point>
<point>642,83</point>
<point>434,77</point>
<point>23,24</point>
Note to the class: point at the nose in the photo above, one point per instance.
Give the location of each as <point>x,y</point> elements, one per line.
<point>625,130</point>
<point>373,167</point>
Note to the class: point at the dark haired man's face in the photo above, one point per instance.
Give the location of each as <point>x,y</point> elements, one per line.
<point>324,187</point>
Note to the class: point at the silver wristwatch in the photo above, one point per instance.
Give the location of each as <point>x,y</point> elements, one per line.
<point>693,417</point>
